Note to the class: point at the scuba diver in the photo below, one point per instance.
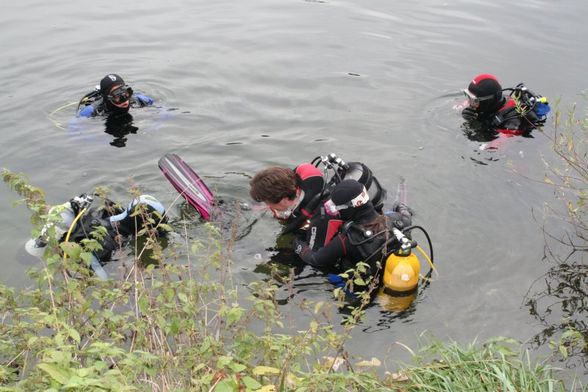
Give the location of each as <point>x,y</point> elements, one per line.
<point>113,99</point>
<point>490,113</point>
<point>363,231</point>
<point>294,196</point>
<point>80,218</point>
<point>382,242</point>
<point>112,96</point>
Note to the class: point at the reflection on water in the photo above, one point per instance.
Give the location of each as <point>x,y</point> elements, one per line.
<point>119,126</point>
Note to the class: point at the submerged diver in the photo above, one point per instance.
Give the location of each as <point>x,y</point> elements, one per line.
<point>490,113</point>
<point>294,196</point>
<point>364,233</point>
<point>77,219</point>
<point>113,99</point>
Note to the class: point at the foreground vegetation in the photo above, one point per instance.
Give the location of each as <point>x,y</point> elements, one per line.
<point>559,298</point>
<point>179,323</point>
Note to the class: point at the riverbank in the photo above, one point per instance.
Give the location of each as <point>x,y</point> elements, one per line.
<point>173,321</point>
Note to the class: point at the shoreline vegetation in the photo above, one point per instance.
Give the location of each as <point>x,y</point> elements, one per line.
<point>173,320</point>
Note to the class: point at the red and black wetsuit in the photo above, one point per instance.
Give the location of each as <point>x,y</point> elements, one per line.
<point>345,250</point>
<point>311,181</point>
<point>496,123</point>
<point>509,121</point>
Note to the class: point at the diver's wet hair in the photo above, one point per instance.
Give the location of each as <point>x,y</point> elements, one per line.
<point>273,184</point>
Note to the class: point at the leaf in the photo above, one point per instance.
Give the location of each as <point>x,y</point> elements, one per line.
<point>183,297</point>
<point>143,304</point>
<point>174,327</point>
<point>251,383</point>
<point>165,227</point>
<point>223,361</point>
<point>226,385</point>
<point>268,388</point>
<point>234,315</point>
<point>318,306</point>
<point>58,374</point>
<point>564,351</point>
<point>265,370</point>
<point>237,367</point>
<point>73,334</point>
<point>71,249</point>
<point>374,362</point>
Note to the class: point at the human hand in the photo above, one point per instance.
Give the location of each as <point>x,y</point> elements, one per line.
<point>469,113</point>
<point>145,100</point>
<point>299,244</point>
<point>87,111</point>
<point>400,215</point>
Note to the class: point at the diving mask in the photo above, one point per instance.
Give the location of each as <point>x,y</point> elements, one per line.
<point>475,101</point>
<point>333,209</point>
<point>120,95</point>
<point>288,211</point>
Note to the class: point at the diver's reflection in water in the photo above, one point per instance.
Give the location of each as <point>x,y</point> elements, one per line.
<point>119,126</point>
<point>392,308</point>
<point>477,131</point>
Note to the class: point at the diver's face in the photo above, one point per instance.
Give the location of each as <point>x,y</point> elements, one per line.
<point>284,208</point>
<point>119,96</point>
<point>475,102</point>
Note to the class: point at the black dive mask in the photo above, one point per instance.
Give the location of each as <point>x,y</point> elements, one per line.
<point>120,95</point>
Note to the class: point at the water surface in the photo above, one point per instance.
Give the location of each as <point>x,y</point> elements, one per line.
<point>258,83</point>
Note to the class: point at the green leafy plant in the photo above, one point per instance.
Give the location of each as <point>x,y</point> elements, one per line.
<point>181,323</point>
<point>558,300</point>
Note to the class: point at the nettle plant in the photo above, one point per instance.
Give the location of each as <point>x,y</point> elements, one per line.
<point>176,322</point>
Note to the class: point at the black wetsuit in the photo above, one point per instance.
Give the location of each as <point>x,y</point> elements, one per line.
<point>350,244</point>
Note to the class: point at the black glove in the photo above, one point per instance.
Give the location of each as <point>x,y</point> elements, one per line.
<point>299,244</point>
<point>402,209</point>
<point>400,215</point>
<point>469,114</point>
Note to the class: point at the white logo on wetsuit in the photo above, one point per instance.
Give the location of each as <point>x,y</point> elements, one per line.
<point>312,237</point>
<point>298,249</point>
<point>112,77</point>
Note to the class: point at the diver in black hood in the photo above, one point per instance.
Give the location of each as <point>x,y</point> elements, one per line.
<point>113,96</point>
<point>362,230</point>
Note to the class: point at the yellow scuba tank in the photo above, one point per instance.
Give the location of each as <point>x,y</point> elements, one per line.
<point>401,273</point>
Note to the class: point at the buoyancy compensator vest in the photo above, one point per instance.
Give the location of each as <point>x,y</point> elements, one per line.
<point>87,228</point>
<point>524,104</point>
<point>366,247</point>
